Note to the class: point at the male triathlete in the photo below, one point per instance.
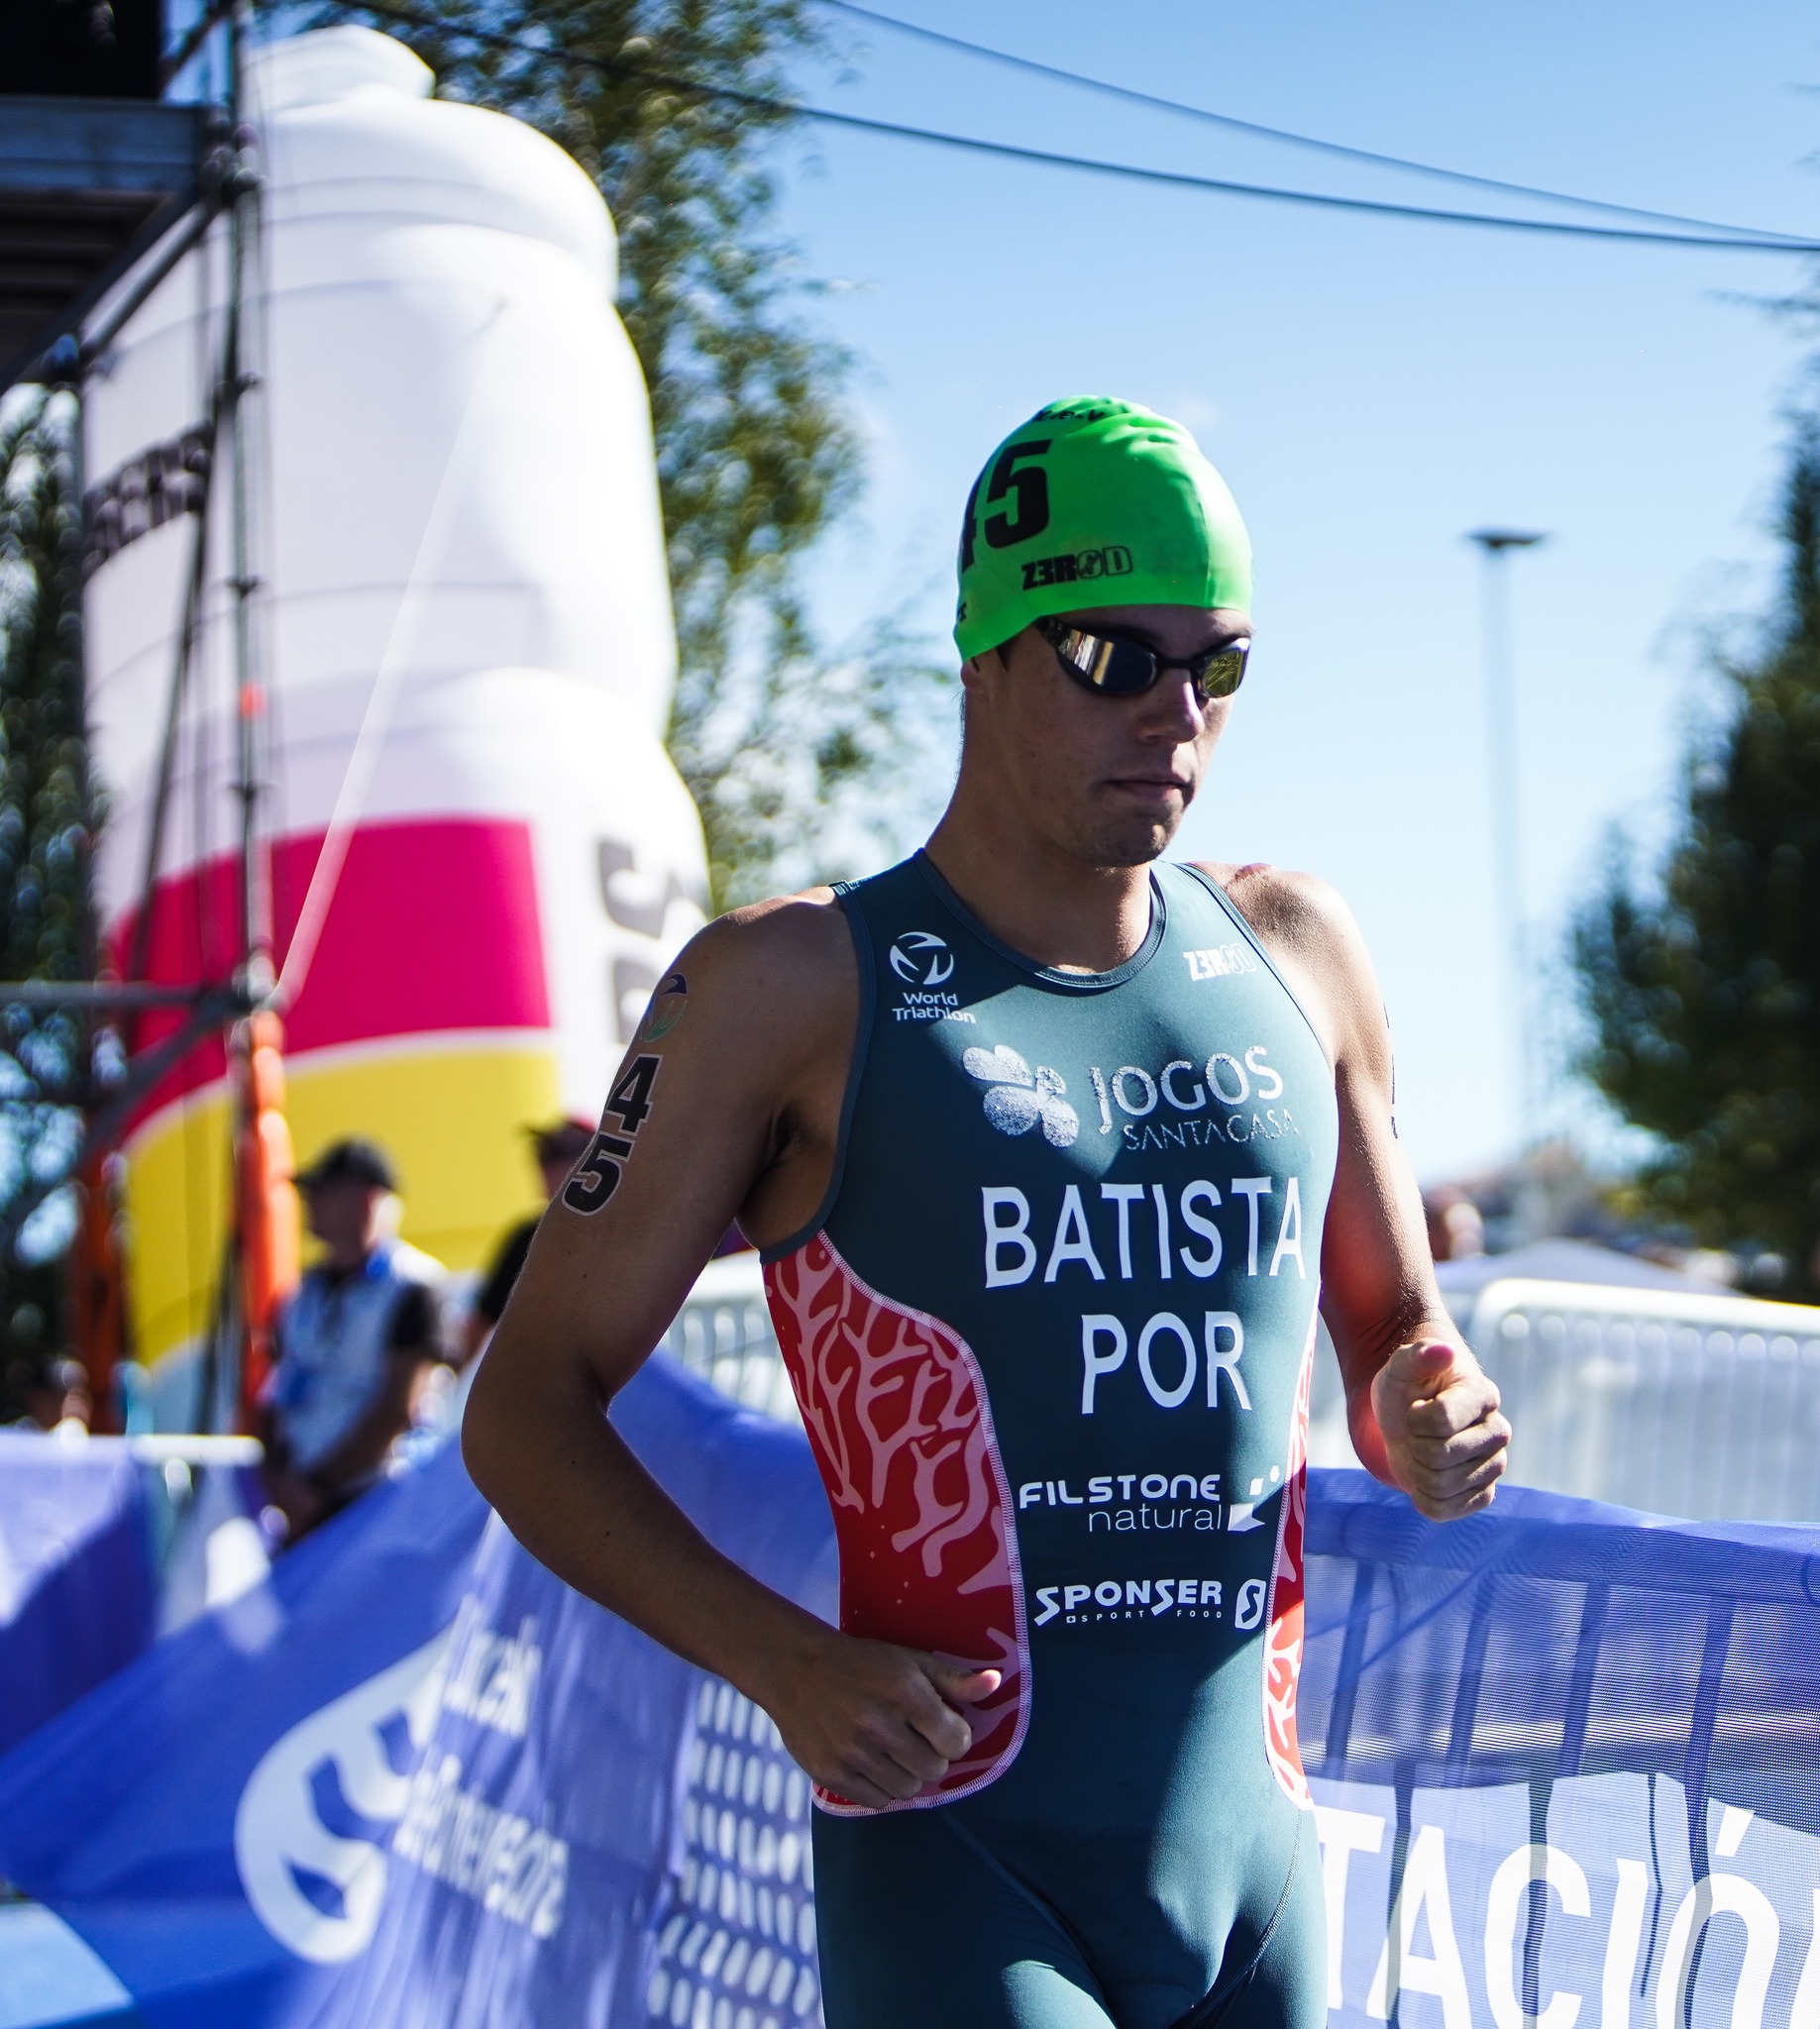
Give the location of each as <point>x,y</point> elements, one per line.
<point>1050,1150</point>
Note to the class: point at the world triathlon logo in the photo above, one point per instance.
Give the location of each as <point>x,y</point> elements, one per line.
<point>922,959</point>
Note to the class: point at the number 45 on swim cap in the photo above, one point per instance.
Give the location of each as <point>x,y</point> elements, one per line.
<point>1096,503</point>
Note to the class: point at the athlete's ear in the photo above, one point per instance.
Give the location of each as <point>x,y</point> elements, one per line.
<point>977,670</point>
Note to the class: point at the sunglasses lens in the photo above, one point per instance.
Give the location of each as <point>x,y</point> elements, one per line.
<point>1225,672</point>
<point>1115,669</point>
<point>1125,669</point>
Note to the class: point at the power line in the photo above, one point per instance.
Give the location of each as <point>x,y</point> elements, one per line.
<point>1309,140</point>
<point>1048,158</point>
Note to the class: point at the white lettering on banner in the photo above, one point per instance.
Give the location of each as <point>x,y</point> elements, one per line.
<point>507,1865</point>
<point>1622,1943</point>
<point>1618,1942</point>
<point>999,1236</point>
<point>1341,1834</point>
<point>1400,1967</point>
<point>1732,1894</point>
<point>1509,1900</point>
<point>1734,1823</point>
<point>279,1836</point>
<point>492,1678</point>
<point>1804,2012</point>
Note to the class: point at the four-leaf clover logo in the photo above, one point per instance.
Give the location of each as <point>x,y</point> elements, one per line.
<point>1016,1098</point>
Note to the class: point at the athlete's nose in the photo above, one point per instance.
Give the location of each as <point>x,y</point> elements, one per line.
<point>1176,712</point>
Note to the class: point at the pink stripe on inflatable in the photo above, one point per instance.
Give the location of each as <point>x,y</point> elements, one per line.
<point>433,928</point>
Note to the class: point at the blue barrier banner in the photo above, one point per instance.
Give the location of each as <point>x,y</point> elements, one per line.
<point>411,1779</point>
<point>1565,1763</point>
<point>78,1595</point>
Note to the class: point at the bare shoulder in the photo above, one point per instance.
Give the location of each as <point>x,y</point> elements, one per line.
<point>786,965</point>
<point>1304,923</point>
<point>1300,911</point>
<point>809,927</point>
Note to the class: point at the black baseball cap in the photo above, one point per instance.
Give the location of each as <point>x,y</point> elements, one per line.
<point>561,1138</point>
<point>354,1160</point>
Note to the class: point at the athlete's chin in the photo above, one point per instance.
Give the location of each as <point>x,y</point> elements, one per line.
<point>1131,839</point>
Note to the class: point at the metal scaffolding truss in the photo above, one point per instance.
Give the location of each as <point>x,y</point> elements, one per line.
<point>88,187</point>
<point>100,200</point>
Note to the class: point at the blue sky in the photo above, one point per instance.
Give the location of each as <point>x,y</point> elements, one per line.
<point>1371,390</point>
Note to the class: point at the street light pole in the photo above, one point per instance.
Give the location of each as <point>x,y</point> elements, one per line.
<point>1502,767</point>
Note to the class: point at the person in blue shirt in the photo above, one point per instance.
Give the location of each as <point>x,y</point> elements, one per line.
<point>354,1343</point>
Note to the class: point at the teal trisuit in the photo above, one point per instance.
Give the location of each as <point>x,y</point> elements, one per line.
<point>1051,1333</point>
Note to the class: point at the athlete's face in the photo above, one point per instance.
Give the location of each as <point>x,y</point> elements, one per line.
<point>1105,780</point>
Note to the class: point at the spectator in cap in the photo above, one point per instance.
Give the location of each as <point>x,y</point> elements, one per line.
<point>558,1145</point>
<point>353,1344</point>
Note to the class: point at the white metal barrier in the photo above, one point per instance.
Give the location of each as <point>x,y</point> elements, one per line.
<point>1678,1403</point>
<point>723,1334</point>
<point>1706,1407</point>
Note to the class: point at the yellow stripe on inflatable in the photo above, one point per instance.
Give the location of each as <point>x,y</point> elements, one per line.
<point>453,1120</point>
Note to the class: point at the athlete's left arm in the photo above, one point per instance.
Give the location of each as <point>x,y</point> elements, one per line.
<point>1424,1414</point>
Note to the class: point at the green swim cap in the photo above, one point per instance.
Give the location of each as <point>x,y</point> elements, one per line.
<point>1095,503</point>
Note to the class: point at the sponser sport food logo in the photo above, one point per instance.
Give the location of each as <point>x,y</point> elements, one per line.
<point>1141,1599</point>
<point>922,959</point>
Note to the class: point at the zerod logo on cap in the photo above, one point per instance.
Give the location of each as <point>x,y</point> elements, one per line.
<point>922,958</point>
<point>1113,561</point>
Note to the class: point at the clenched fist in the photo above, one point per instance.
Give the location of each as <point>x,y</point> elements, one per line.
<point>1444,1441</point>
<point>870,1721</point>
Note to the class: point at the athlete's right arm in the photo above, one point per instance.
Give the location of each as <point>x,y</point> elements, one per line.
<point>727,1102</point>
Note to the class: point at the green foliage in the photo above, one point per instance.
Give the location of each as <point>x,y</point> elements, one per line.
<point>812,767</point>
<point>1703,988</point>
<point>46,826</point>
<point>755,455</point>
